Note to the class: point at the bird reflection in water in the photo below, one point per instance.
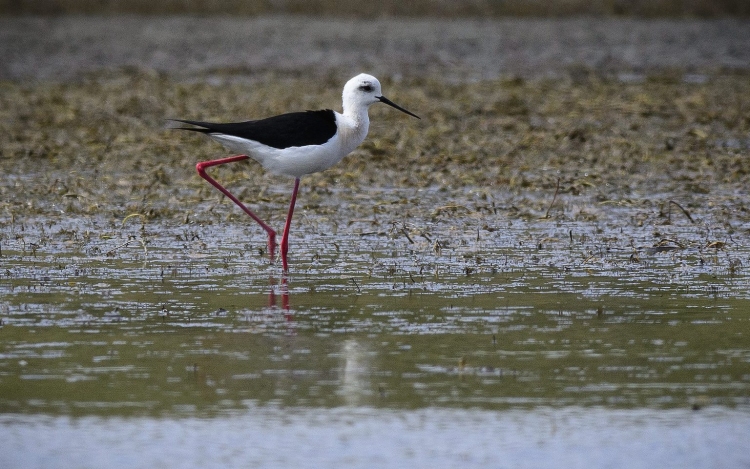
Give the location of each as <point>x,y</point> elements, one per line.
<point>279,290</point>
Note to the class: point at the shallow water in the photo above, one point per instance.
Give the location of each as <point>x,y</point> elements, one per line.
<point>273,437</point>
<point>418,327</point>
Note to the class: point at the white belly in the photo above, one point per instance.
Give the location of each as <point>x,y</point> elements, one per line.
<point>298,161</point>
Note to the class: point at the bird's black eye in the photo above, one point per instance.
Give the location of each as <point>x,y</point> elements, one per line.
<point>366,87</point>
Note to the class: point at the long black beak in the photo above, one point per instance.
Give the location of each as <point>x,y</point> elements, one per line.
<point>387,101</point>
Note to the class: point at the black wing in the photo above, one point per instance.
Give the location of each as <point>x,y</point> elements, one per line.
<point>295,129</point>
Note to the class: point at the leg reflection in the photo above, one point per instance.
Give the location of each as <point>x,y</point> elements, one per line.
<point>283,290</point>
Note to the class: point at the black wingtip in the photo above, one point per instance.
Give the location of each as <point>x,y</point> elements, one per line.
<point>200,127</point>
<point>184,121</point>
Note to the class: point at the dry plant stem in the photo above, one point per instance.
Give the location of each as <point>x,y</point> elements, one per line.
<point>554,197</point>
<point>687,214</point>
<point>127,243</point>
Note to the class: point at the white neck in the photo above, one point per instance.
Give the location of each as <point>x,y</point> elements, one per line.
<point>353,126</point>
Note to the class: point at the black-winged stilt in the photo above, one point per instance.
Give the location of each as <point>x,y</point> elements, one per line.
<point>296,143</point>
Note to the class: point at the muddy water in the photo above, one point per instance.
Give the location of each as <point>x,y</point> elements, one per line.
<point>154,318</point>
<point>432,301</point>
<point>447,305</point>
<point>458,308</point>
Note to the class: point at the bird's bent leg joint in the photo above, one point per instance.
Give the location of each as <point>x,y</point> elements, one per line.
<point>201,168</point>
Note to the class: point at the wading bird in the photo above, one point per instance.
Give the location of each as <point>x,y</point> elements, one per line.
<point>295,144</point>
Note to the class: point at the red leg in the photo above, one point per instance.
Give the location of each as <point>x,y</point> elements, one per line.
<point>285,236</point>
<point>201,167</point>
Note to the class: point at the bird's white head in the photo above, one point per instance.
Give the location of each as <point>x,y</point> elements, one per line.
<point>363,91</point>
